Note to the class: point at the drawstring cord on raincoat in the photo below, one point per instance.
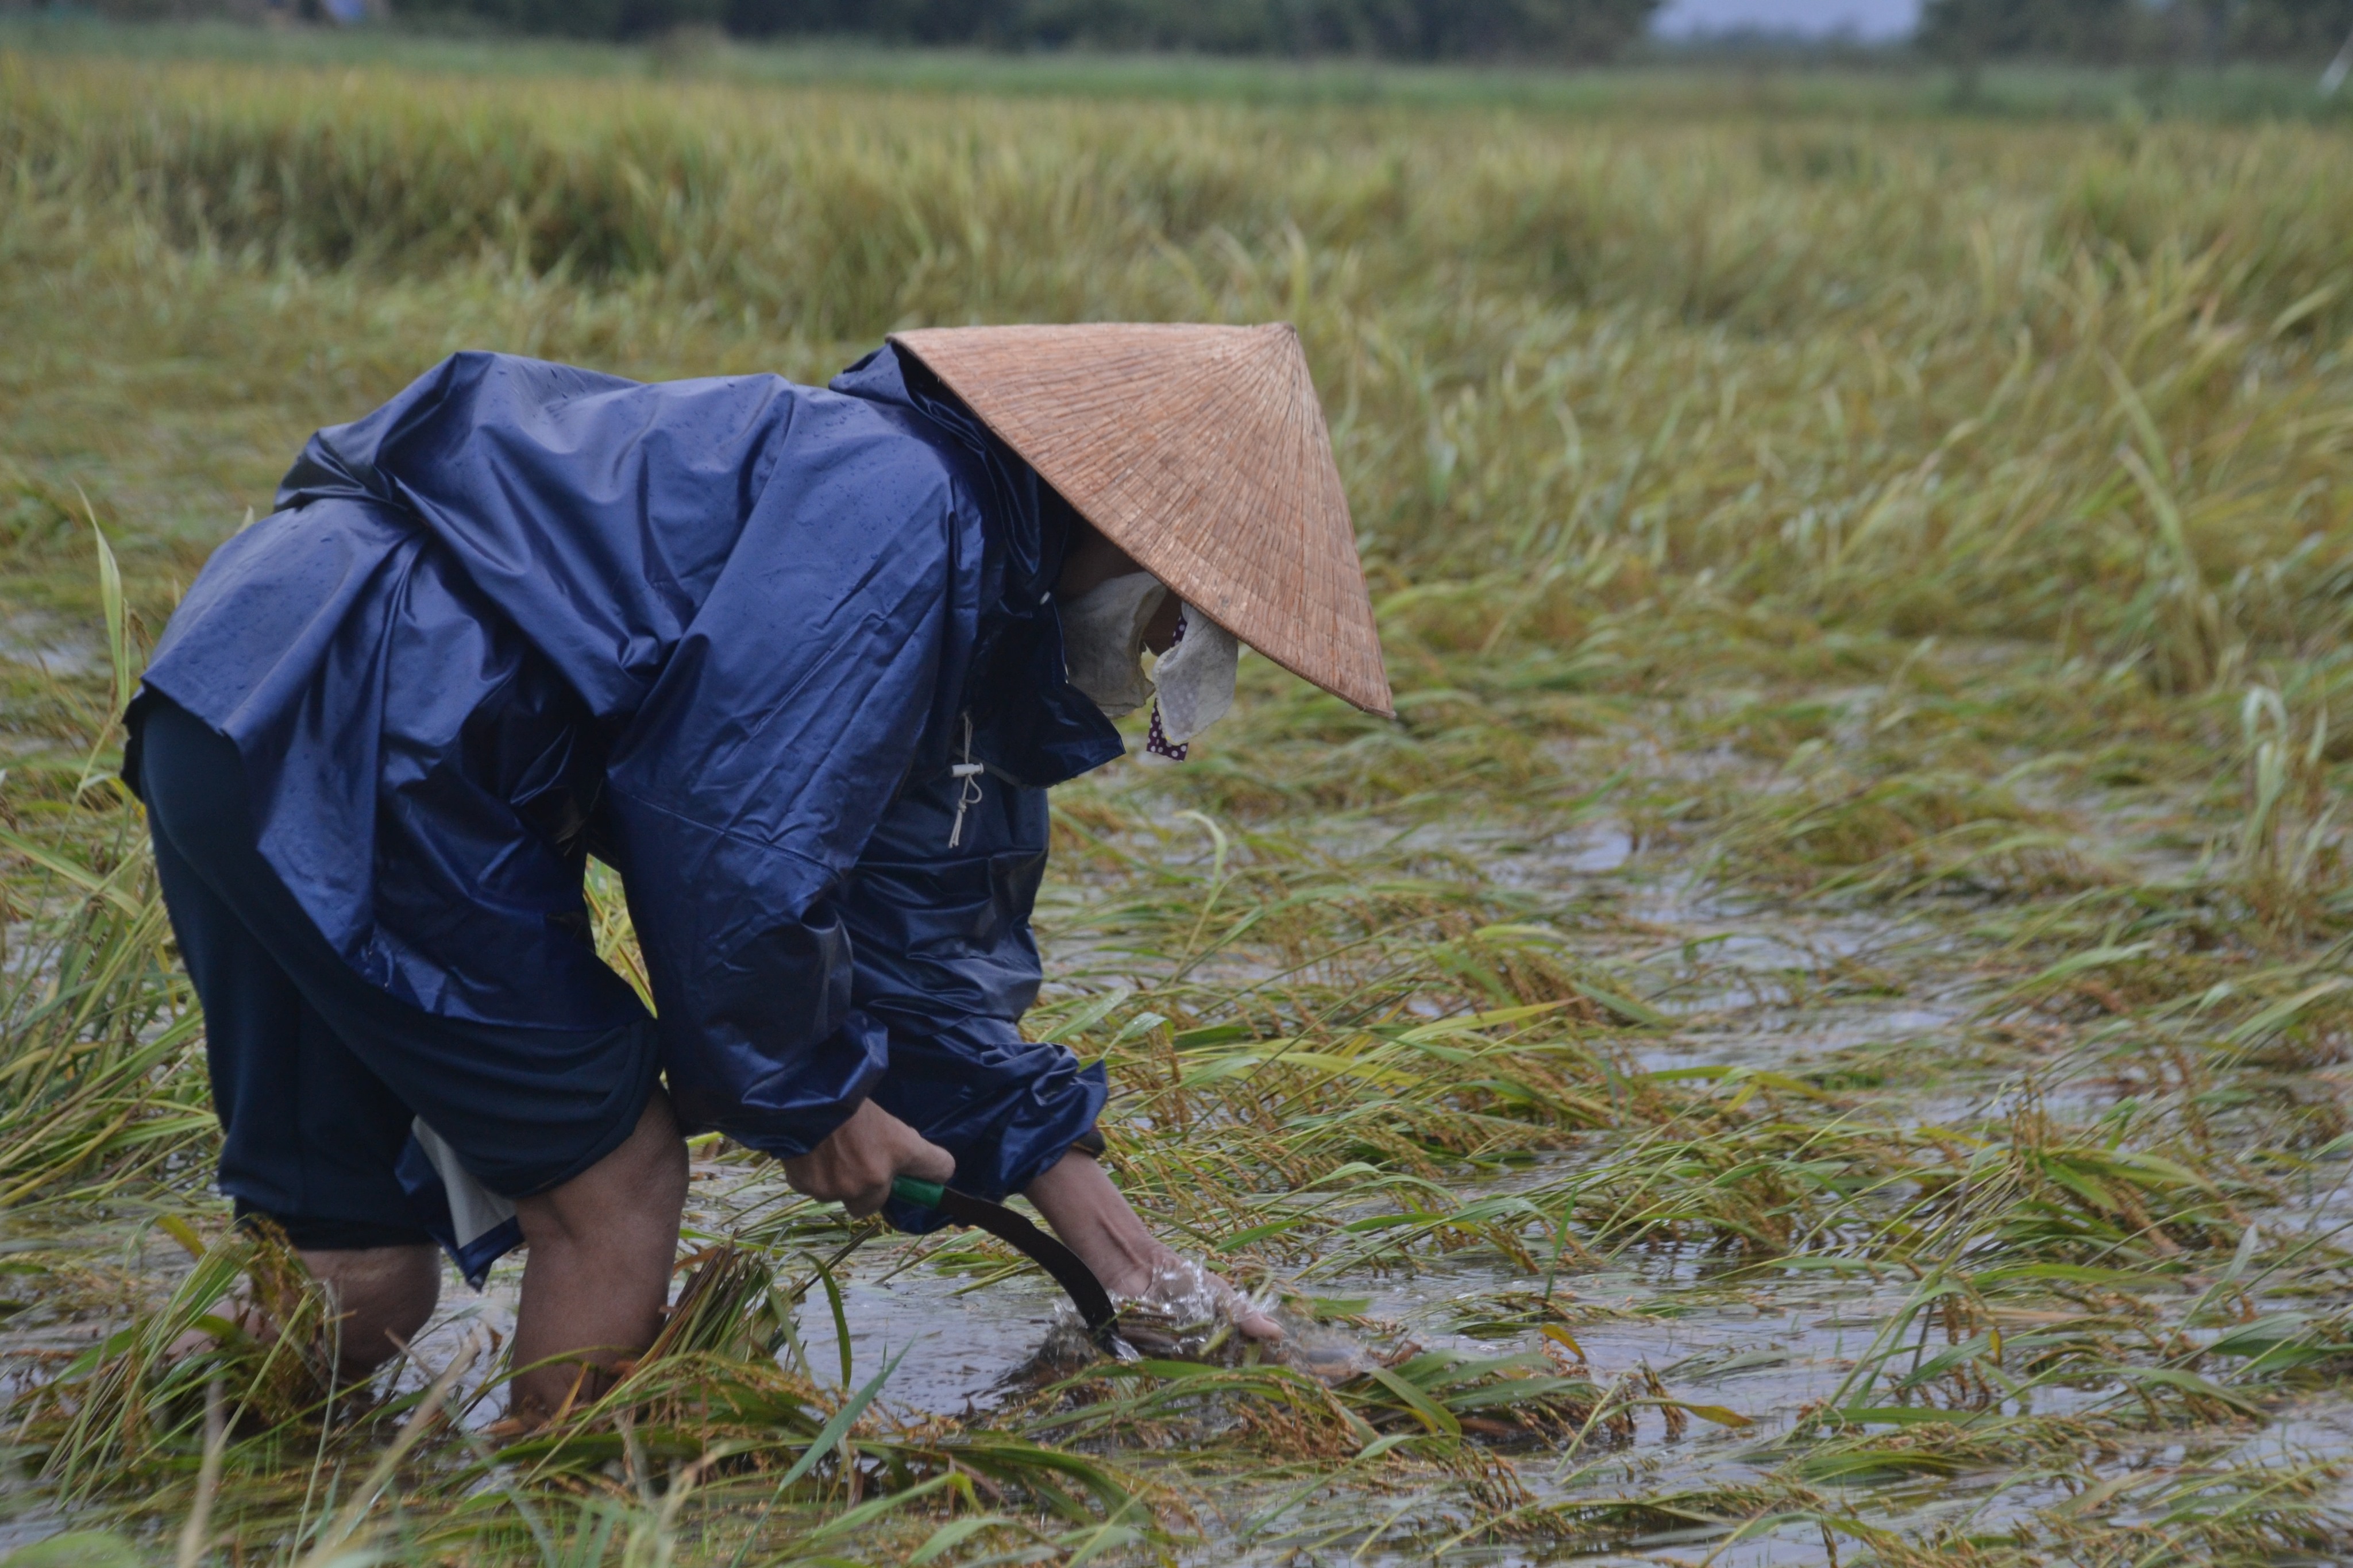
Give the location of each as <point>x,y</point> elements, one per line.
<point>969,797</point>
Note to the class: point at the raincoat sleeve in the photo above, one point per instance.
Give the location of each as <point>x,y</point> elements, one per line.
<point>947,963</point>
<point>745,789</point>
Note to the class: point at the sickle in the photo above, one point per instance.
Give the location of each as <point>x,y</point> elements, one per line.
<point>1086,1291</point>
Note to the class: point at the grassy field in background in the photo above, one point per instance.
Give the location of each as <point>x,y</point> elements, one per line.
<point>1819,1036</point>
<point>1672,84</point>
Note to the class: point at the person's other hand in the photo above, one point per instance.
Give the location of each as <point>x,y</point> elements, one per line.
<point>858,1162</point>
<point>1184,1284</point>
<point>1078,1200</point>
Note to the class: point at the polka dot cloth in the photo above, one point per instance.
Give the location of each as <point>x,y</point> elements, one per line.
<point>1156,739</point>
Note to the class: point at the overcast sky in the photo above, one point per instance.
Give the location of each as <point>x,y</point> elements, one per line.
<point>1864,18</point>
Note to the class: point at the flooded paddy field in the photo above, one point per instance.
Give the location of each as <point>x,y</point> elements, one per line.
<point>1822,1036</point>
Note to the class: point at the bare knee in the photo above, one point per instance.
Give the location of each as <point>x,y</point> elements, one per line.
<point>657,1155</point>
<point>380,1295</point>
<point>640,1186</point>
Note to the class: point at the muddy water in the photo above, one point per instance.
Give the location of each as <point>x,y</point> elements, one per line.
<point>1791,989</point>
<point>50,644</point>
<point>962,1345</point>
<point>1768,1346</point>
<point>1794,990</point>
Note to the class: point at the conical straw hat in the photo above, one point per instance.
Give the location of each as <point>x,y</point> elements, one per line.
<point>1201,452</point>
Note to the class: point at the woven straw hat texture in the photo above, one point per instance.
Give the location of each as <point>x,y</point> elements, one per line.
<point>1199,450</point>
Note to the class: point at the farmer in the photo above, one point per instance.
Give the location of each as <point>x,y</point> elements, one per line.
<point>799,665</point>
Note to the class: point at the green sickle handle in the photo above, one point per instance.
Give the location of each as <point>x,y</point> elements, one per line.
<point>922,1193</point>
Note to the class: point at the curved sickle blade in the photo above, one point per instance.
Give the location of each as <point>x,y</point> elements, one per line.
<point>1086,1291</point>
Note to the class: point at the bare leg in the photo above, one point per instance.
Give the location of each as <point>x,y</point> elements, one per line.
<point>1078,1199</point>
<point>378,1296</point>
<point>383,1295</point>
<point>602,1246</point>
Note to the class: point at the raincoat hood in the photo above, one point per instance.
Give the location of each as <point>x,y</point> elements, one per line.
<point>1029,723</point>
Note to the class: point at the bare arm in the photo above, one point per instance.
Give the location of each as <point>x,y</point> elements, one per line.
<point>1078,1199</point>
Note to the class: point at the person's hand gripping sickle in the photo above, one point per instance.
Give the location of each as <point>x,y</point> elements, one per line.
<point>859,1159</point>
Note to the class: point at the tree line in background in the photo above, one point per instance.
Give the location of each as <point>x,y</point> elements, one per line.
<point>2118,32</point>
<point>1571,31</point>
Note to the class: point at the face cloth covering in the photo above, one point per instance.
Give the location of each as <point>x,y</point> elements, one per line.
<point>1194,682</point>
<point>1103,637</point>
<point>1103,641</point>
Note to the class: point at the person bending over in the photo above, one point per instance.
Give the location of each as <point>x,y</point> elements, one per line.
<point>799,664</point>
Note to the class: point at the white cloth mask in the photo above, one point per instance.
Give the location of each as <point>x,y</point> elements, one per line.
<point>1194,679</point>
<point>1103,640</point>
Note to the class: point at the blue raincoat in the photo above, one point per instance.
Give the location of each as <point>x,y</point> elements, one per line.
<point>728,636</point>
